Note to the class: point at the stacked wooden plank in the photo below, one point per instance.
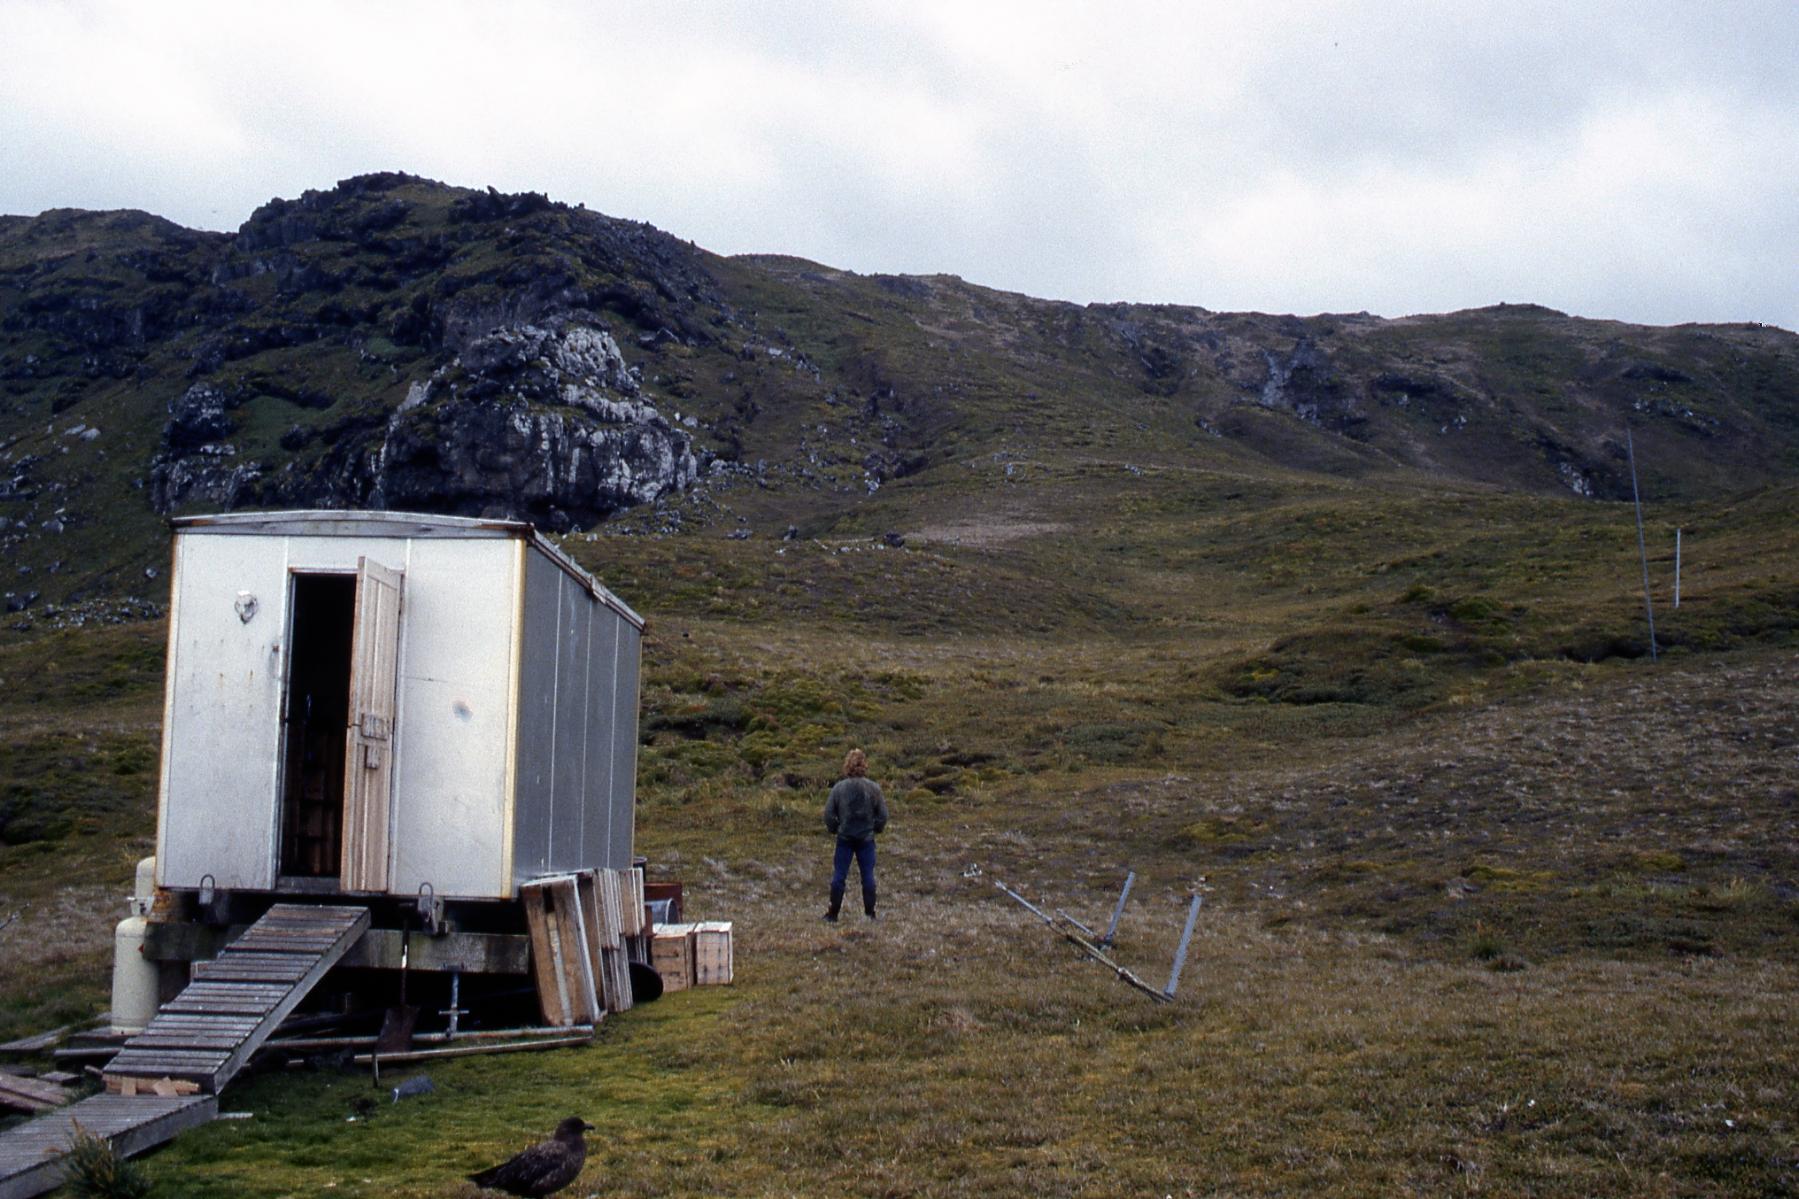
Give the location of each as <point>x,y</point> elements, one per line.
<point>671,953</point>
<point>636,930</point>
<point>562,955</point>
<point>205,1035</point>
<point>578,955</point>
<point>630,900</point>
<point>616,964</point>
<point>26,1094</point>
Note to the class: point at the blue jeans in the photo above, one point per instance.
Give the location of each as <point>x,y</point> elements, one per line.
<point>863,852</point>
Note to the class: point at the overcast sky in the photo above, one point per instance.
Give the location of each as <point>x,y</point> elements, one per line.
<point>1633,160</point>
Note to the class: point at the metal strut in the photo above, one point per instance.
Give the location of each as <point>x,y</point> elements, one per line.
<point>1067,926</point>
<point>1130,877</point>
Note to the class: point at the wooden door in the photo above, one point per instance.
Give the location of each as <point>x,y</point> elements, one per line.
<point>369,770</point>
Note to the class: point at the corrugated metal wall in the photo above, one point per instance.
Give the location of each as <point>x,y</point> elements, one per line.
<point>602,668</point>
<point>623,782</point>
<point>577,721</point>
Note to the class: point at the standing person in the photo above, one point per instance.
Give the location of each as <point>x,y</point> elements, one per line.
<point>856,813</point>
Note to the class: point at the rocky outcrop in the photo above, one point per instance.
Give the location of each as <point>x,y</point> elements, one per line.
<point>534,422</point>
<point>198,467</point>
<point>1304,382</point>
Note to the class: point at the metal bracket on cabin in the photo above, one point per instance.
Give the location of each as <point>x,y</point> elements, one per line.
<point>431,910</point>
<point>214,901</point>
<point>1094,947</point>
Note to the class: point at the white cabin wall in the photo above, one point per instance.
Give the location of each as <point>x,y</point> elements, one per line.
<point>452,707</point>
<point>219,809</point>
<point>568,751</point>
<point>223,736</point>
<point>451,730</point>
<point>577,720</point>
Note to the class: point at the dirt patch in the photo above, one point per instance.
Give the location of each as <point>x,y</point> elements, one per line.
<point>984,533</point>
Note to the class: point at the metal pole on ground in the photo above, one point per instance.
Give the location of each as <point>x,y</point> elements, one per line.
<point>1677,570</point>
<point>1180,954</point>
<point>1642,549</point>
<point>1118,911</point>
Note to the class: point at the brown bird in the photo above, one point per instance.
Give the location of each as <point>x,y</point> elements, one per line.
<point>544,1168</point>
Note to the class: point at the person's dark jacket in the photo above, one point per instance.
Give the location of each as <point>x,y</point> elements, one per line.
<point>856,811</point>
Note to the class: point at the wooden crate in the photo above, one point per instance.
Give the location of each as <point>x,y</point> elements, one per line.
<point>671,953</point>
<point>712,958</point>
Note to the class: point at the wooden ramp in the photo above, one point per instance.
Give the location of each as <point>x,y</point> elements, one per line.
<point>31,1154</point>
<point>205,1035</point>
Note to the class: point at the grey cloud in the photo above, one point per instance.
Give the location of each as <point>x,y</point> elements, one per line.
<point>1398,157</point>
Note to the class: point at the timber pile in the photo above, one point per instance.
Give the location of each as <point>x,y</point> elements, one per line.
<point>24,1093</point>
<point>580,961</point>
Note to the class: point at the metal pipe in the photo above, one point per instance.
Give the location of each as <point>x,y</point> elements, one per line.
<point>1065,916</point>
<point>1677,569</point>
<point>424,1038</point>
<point>1091,950</point>
<point>1112,929</point>
<point>376,1060</point>
<point>1180,954</point>
<point>1642,548</point>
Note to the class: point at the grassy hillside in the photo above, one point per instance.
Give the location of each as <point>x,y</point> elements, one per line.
<point>146,369</point>
<point>1493,904</point>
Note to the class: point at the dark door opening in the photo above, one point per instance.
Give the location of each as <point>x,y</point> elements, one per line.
<point>316,719</point>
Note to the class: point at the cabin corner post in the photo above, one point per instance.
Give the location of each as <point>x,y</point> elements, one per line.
<point>514,685</point>
<point>168,704</point>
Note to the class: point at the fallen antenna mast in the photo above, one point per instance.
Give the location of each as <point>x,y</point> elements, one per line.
<point>1086,940</point>
<point>1642,549</point>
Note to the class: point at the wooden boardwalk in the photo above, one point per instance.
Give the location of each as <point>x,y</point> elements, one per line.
<point>205,1035</point>
<point>167,1078</point>
<point>31,1154</point>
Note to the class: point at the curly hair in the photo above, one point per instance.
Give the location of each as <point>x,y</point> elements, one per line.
<point>855,764</point>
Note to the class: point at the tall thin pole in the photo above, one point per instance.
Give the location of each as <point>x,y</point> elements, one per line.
<point>1180,954</point>
<point>1677,570</point>
<point>1642,549</point>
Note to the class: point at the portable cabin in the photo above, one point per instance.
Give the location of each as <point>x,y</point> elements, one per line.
<point>383,703</point>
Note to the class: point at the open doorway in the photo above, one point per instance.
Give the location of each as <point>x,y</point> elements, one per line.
<point>316,719</point>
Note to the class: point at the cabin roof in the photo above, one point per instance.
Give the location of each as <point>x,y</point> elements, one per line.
<point>417,525</point>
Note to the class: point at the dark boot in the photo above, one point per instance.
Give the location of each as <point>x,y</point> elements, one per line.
<point>868,902</point>
<point>836,904</point>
